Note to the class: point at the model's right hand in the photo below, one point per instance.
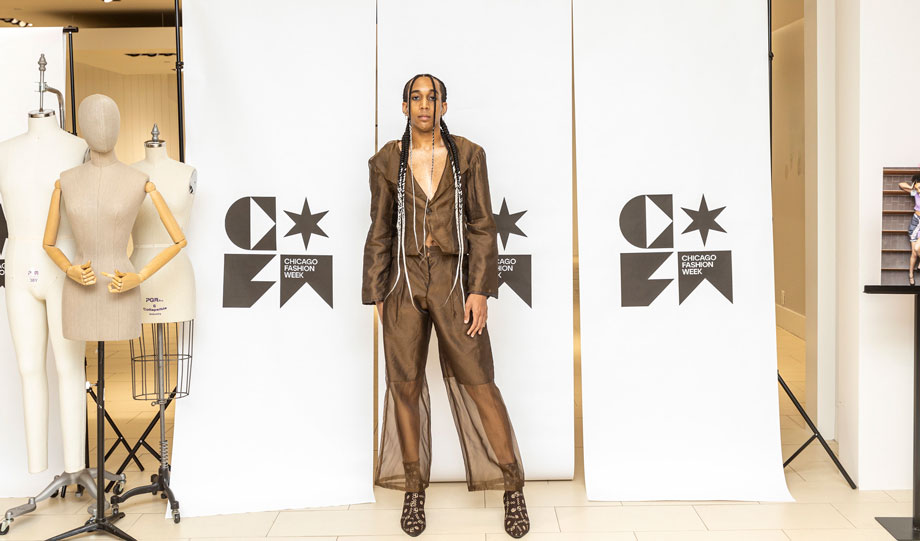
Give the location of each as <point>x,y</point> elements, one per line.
<point>380,309</point>
<point>82,274</point>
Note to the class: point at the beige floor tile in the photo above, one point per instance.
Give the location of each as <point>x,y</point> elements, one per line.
<point>339,523</point>
<point>241,525</point>
<point>777,516</point>
<point>328,538</point>
<point>747,535</point>
<point>816,470</point>
<point>403,537</point>
<point>791,421</point>
<point>568,536</point>
<point>34,527</point>
<point>833,491</point>
<point>629,518</point>
<point>862,515</point>
<point>901,495</point>
<point>838,535</point>
<point>52,506</point>
<point>550,494</point>
<point>684,502</point>
<point>438,496</point>
<point>486,520</point>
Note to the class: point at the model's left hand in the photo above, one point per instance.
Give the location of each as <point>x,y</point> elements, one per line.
<point>123,281</point>
<point>475,305</point>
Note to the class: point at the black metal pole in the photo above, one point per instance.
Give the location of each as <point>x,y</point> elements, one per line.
<point>916,498</point>
<point>180,103</point>
<point>100,431</point>
<point>70,31</point>
<point>770,71</point>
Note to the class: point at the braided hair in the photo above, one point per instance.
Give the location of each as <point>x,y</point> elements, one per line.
<point>401,190</point>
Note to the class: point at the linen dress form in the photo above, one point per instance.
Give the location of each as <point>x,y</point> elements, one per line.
<point>490,451</point>
<point>101,201</point>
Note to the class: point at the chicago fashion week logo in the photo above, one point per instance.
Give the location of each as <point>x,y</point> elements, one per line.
<point>513,269</point>
<point>647,222</point>
<point>251,224</point>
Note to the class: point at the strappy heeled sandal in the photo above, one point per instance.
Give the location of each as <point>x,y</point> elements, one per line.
<point>413,515</point>
<point>517,522</point>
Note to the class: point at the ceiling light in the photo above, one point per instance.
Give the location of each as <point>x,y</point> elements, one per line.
<point>22,23</point>
<point>14,21</point>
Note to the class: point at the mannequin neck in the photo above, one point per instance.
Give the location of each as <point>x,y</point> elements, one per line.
<point>43,125</point>
<point>155,154</point>
<point>102,159</point>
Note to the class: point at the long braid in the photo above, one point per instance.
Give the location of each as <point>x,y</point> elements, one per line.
<point>401,207</point>
<point>458,204</point>
<point>401,199</point>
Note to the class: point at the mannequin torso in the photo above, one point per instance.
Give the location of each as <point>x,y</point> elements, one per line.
<point>169,295</point>
<point>101,199</point>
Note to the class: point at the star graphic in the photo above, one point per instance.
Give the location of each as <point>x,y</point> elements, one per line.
<point>506,223</point>
<point>306,223</point>
<point>704,220</point>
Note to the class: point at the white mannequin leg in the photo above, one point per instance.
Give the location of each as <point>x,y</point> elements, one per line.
<point>68,357</point>
<point>30,338</point>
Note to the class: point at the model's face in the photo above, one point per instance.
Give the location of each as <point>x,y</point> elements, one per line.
<point>424,106</point>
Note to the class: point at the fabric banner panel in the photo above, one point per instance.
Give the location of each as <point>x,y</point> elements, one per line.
<point>509,90</point>
<point>676,252</point>
<point>20,49</point>
<point>280,122</point>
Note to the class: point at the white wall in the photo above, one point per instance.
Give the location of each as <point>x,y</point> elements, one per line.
<point>820,116</point>
<point>878,51</point>
<point>789,176</point>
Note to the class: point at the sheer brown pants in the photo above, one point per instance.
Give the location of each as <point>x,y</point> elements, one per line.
<point>490,451</point>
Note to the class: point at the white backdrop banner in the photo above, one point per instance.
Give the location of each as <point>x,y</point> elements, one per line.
<point>280,124</point>
<point>676,251</point>
<point>509,90</point>
<point>20,49</point>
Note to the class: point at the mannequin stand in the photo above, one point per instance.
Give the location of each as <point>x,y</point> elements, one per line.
<point>99,522</point>
<point>159,482</point>
<point>815,435</point>
<point>907,528</point>
<point>83,478</point>
<point>142,441</point>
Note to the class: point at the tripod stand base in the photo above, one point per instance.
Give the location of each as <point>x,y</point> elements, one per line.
<point>158,483</point>
<point>901,528</point>
<point>84,478</point>
<point>93,525</point>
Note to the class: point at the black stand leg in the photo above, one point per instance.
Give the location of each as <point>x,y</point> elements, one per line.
<point>160,481</point>
<point>142,442</point>
<point>815,435</point>
<point>908,528</point>
<point>99,522</point>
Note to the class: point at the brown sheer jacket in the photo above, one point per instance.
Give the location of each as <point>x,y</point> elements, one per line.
<point>479,241</point>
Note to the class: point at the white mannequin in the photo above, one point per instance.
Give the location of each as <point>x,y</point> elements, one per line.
<point>29,165</point>
<point>169,295</point>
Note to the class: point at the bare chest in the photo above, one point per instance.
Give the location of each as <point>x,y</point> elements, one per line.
<point>428,168</point>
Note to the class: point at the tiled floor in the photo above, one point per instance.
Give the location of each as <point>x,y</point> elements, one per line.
<point>826,508</point>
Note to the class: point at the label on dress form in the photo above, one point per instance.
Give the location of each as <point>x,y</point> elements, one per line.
<point>154,306</point>
<point>32,276</point>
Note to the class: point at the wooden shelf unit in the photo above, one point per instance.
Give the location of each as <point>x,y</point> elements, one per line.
<point>897,208</point>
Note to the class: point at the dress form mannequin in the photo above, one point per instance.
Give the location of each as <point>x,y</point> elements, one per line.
<point>29,163</point>
<point>102,198</point>
<point>169,295</point>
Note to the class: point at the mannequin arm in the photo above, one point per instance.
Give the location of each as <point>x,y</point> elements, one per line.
<point>81,274</point>
<point>124,281</point>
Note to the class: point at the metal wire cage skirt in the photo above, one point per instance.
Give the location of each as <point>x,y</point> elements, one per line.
<point>161,361</point>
